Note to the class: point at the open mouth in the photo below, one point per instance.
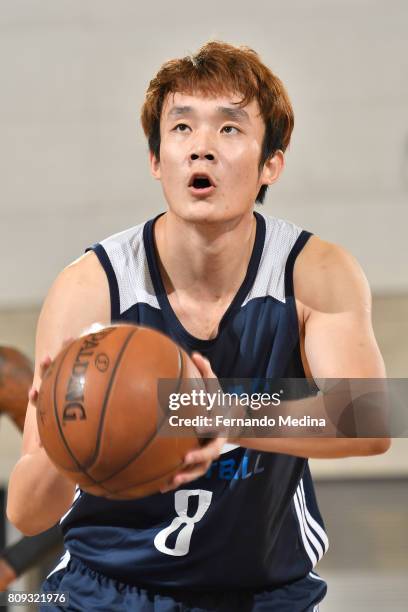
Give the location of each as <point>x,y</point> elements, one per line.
<point>201,184</point>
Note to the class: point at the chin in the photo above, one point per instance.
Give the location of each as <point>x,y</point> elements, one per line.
<point>205,212</point>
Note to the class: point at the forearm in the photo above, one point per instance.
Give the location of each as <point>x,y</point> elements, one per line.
<point>350,419</point>
<point>352,424</point>
<point>38,495</point>
<point>318,448</point>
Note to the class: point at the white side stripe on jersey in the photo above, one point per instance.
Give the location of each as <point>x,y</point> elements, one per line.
<point>314,524</point>
<point>63,563</point>
<point>312,538</point>
<point>315,577</point>
<point>76,496</point>
<point>307,523</point>
<point>306,544</point>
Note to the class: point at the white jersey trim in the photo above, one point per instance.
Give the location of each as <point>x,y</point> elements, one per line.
<point>63,563</point>
<point>76,496</point>
<point>280,238</point>
<point>315,577</point>
<point>227,448</point>
<point>127,255</point>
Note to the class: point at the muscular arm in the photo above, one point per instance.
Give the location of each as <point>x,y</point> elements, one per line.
<point>335,307</point>
<point>38,494</point>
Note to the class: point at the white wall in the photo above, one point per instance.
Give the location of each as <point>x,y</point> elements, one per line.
<point>73,156</point>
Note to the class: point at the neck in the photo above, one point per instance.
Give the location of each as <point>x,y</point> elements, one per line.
<point>204,261</point>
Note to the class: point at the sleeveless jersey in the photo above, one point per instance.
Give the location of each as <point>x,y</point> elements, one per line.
<point>252,520</point>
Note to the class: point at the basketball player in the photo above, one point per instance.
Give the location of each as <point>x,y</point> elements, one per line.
<point>254,296</point>
<point>16,375</point>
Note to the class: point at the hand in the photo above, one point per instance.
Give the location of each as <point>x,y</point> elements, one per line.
<point>7,575</point>
<point>44,365</point>
<point>33,392</point>
<point>197,462</point>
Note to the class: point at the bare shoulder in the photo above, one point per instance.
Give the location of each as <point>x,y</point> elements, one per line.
<point>84,271</point>
<point>78,298</point>
<point>328,278</point>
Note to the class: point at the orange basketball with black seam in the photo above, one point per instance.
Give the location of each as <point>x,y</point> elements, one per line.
<point>99,414</point>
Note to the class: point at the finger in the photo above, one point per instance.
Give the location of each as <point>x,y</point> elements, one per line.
<point>44,365</point>
<point>167,488</point>
<point>67,341</point>
<point>33,395</point>
<point>207,453</point>
<point>170,485</point>
<point>203,365</point>
<point>199,457</point>
<point>46,361</point>
<point>192,473</point>
<point>186,476</point>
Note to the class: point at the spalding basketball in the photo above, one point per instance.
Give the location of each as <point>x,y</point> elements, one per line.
<point>99,414</point>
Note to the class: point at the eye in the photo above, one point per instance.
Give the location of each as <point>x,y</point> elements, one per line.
<point>181,127</point>
<point>229,129</point>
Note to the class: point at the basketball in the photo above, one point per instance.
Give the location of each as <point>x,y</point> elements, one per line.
<point>99,415</point>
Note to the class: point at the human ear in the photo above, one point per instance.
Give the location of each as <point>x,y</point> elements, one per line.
<point>154,166</point>
<point>272,168</point>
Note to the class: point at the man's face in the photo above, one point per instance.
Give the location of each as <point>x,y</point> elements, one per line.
<point>209,156</point>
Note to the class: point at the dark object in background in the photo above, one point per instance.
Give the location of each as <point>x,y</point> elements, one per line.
<point>16,376</point>
<point>30,551</point>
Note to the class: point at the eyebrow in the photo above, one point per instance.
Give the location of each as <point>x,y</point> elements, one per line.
<point>236,114</point>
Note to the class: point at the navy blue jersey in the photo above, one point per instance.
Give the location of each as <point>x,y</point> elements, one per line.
<point>252,521</point>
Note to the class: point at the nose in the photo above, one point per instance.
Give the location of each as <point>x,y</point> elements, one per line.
<point>196,155</point>
<point>202,147</point>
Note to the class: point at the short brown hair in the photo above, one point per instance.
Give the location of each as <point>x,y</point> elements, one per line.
<point>221,68</point>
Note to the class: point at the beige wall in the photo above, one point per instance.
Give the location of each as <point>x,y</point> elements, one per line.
<point>17,328</point>
<point>74,158</point>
